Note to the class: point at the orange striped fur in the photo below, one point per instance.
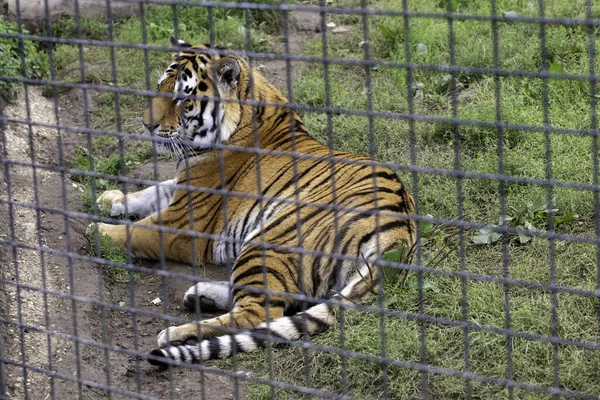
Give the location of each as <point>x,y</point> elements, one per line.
<point>279,201</point>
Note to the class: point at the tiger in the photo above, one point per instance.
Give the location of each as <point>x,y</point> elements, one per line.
<point>301,225</point>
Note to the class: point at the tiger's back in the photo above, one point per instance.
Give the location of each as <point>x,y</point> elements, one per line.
<point>321,204</point>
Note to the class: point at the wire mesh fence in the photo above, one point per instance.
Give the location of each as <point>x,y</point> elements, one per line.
<point>306,270</point>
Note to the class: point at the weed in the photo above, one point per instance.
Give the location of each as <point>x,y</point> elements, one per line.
<point>35,62</point>
<point>84,28</point>
<point>533,217</point>
<point>112,165</point>
<point>259,391</point>
<point>104,248</point>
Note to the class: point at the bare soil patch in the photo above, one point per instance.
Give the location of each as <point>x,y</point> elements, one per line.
<point>73,329</point>
<point>304,26</point>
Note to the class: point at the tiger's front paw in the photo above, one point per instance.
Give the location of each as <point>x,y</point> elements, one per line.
<point>179,333</point>
<point>113,199</point>
<point>116,233</point>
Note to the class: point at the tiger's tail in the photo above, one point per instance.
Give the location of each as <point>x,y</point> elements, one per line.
<point>314,320</point>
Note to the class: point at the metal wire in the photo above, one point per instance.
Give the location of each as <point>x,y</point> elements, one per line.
<point>106,381</point>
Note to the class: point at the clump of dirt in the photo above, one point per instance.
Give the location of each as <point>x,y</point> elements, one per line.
<point>75,332</point>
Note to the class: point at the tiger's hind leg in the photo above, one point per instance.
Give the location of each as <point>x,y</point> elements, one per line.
<point>142,203</point>
<point>249,298</point>
<point>208,297</point>
<point>312,321</point>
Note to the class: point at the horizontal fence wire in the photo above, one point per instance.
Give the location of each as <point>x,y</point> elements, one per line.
<point>485,109</point>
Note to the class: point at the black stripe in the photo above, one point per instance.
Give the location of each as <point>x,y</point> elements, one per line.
<point>258,271</point>
<point>214,348</point>
<point>203,104</point>
<point>194,197</point>
<point>371,213</point>
<point>247,91</point>
<point>251,309</point>
<point>238,346</point>
<point>316,275</point>
<point>246,258</point>
<point>263,332</point>
<point>194,63</point>
<point>260,110</point>
<point>181,353</point>
<point>255,284</point>
<point>273,303</point>
<point>299,324</point>
<point>283,114</point>
<point>410,208</point>
<point>191,348</point>
<point>295,139</point>
<point>321,325</point>
<point>213,114</point>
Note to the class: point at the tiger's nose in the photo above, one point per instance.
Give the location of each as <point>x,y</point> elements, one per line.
<point>151,127</point>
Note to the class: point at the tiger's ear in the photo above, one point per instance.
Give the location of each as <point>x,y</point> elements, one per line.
<point>179,43</point>
<point>228,72</point>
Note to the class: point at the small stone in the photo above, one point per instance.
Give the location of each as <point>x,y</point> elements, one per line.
<point>340,29</point>
<point>511,14</point>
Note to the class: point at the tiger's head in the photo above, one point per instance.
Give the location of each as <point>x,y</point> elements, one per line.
<point>198,103</point>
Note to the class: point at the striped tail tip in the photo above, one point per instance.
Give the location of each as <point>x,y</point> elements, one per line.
<point>158,357</point>
<point>280,331</point>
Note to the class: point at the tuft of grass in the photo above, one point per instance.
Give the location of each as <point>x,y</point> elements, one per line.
<point>113,165</point>
<point>259,391</point>
<point>82,28</point>
<point>105,249</point>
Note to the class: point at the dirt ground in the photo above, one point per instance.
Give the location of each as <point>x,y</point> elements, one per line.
<point>49,299</point>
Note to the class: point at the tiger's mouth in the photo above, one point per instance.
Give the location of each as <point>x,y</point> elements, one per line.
<point>167,135</point>
<point>175,144</point>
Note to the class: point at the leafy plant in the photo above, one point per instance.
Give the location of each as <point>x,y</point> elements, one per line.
<point>487,235</point>
<point>533,217</point>
<point>436,243</point>
<point>85,28</point>
<point>102,165</point>
<point>34,64</point>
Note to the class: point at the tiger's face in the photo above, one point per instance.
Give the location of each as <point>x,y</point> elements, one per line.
<point>197,106</point>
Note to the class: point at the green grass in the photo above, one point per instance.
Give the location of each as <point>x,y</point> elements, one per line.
<point>524,155</point>
<point>19,59</point>
<point>104,248</point>
<point>107,165</point>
